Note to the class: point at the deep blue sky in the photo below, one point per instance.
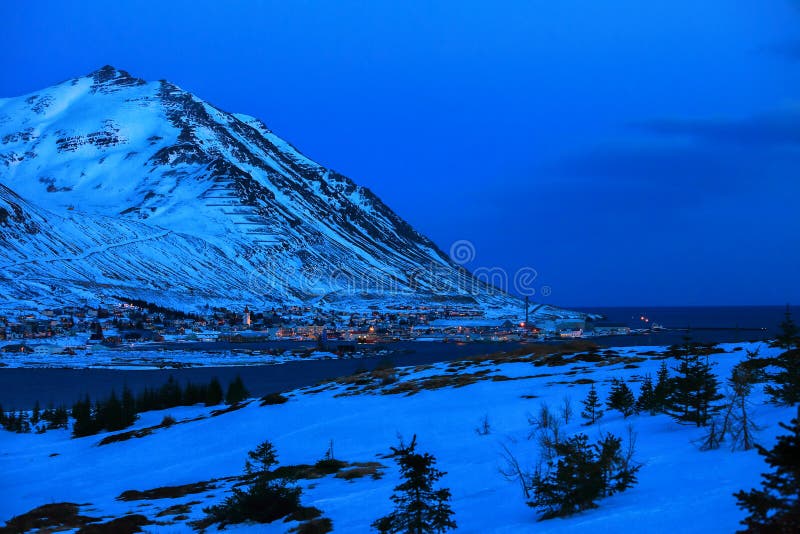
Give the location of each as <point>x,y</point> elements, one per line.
<point>631,152</point>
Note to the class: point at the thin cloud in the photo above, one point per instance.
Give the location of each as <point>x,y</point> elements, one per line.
<point>775,130</point>
<point>684,161</point>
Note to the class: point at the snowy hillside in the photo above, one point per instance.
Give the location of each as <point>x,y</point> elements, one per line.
<point>75,255</point>
<point>680,489</point>
<point>199,205</point>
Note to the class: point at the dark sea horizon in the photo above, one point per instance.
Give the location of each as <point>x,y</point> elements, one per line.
<point>718,324</point>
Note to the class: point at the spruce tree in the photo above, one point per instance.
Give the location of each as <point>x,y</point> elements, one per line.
<point>60,418</point>
<point>128,407</point>
<point>236,391</point>
<point>170,394</point>
<point>98,420</point>
<point>785,387</point>
<point>695,389</point>
<point>21,423</point>
<point>419,507</point>
<point>36,413</point>
<point>265,498</point>
<point>618,469</point>
<point>261,460</point>
<point>621,398</point>
<point>786,382</point>
<point>647,397</point>
<point>214,394</point>
<point>583,474</point>
<point>82,413</point>
<point>591,407</point>
<point>663,388</point>
<point>111,409</point>
<point>789,336</point>
<point>776,507</point>
<point>194,394</point>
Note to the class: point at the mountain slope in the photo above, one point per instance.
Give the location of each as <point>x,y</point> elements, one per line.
<point>50,256</point>
<point>245,204</point>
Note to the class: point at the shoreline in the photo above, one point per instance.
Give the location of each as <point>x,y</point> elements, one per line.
<point>22,387</point>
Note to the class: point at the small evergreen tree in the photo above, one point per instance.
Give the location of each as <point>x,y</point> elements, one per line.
<point>618,469</point>
<point>419,507</point>
<point>789,336</point>
<point>583,474</point>
<point>647,397</point>
<point>194,394</point>
<point>214,394</point>
<point>265,499</point>
<point>127,408</point>
<point>261,460</point>
<point>36,415</point>
<point>82,413</point>
<point>695,389</point>
<point>621,398</point>
<point>785,386</point>
<point>663,389</point>
<point>170,394</point>
<point>110,413</point>
<point>21,423</point>
<point>236,391</point>
<point>591,407</point>
<point>776,507</point>
<point>59,419</point>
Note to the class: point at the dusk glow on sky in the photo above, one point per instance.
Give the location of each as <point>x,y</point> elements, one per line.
<point>630,152</point>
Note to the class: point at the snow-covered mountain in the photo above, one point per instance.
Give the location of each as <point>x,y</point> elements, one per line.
<point>117,186</point>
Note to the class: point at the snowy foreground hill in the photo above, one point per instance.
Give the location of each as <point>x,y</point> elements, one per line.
<point>111,185</point>
<point>680,489</point>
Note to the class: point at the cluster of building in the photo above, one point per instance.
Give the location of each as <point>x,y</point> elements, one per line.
<point>127,323</point>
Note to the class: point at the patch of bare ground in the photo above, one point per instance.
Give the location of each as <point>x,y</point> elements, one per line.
<point>323,468</point>
<point>535,352</point>
<point>459,373</point>
<point>273,398</point>
<point>130,434</point>
<point>127,524</point>
<point>361,470</point>
<point>177,510</point>
<point>49,518</point>
<point>229,409</point>
<point>320,525</point>
<point>701,349</point>
<point>172,492</point>
<point>167,422</point>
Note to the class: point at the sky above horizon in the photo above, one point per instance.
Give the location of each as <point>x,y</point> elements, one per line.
<point>631,153</point>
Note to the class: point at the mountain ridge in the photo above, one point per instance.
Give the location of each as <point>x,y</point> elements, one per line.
<point>111,145</point>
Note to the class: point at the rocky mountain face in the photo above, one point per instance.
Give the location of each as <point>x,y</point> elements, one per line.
<point>111,185</point>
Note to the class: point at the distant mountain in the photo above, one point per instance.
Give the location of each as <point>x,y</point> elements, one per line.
<point>112,185</point>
